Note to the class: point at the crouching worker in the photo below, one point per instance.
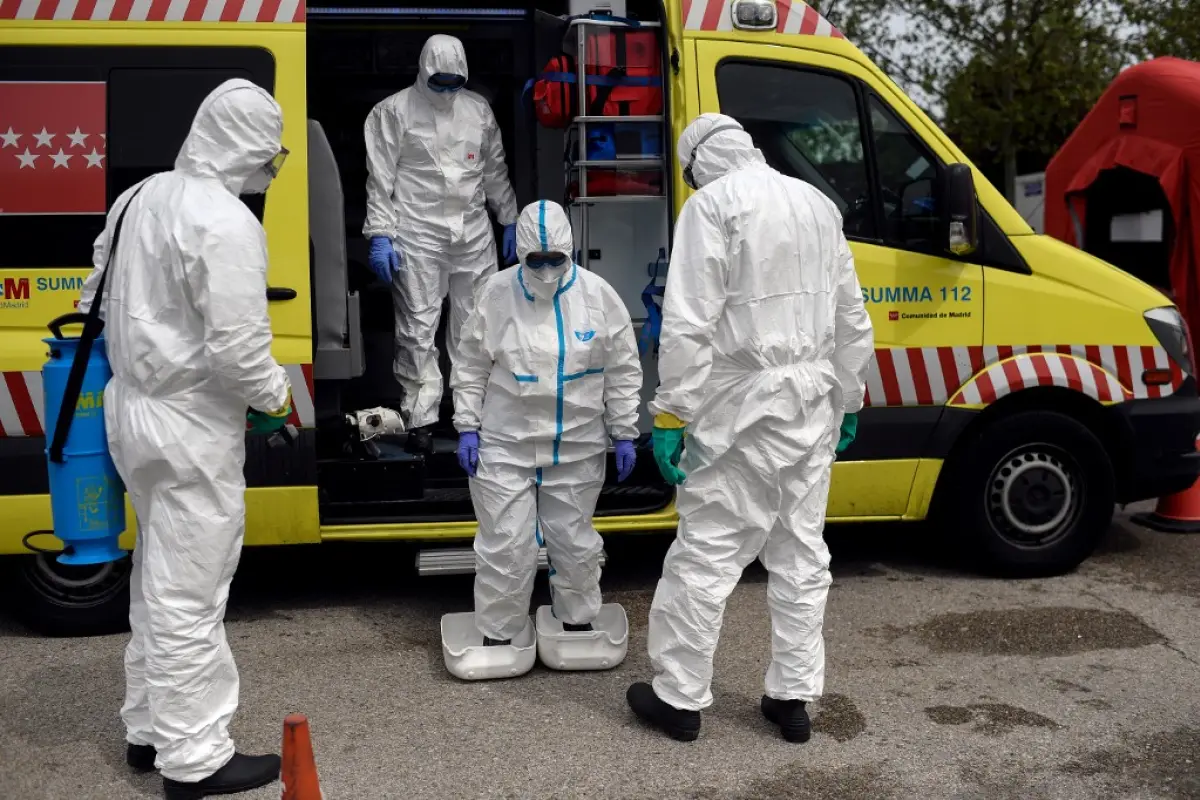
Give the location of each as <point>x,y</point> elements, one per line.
<point>549,375</point>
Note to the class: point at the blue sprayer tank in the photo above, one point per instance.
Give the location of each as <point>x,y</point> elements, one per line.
<point>87,496</point>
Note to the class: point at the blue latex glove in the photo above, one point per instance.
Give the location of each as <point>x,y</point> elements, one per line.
<point>668,446</point>
<point>847,432</point>
<point>468,452</point>
<point>510,244</point>
<point>385,262</point>
<point>626,458</point>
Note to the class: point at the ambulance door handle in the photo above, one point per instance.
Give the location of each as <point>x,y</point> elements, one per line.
<point>277,293</point>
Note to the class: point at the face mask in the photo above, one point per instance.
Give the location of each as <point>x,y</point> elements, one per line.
<point>547,267</point>
<point>260,181</point>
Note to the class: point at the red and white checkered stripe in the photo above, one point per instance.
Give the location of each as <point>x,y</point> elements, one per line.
<point>22,408</point>
<point>262,11</point>
<point>933,376</point>
<point>794,17</point>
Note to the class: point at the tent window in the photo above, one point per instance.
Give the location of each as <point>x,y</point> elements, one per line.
<point>1128,223</point>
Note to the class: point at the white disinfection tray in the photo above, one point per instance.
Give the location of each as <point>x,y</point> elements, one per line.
<point>468,659</point>
<point>604,647</point>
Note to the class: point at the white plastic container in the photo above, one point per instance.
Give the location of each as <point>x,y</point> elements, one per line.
<point>603,647</point>
<point>468,659</point>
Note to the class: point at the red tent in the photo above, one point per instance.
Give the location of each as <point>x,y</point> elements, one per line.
<point>1147,121</point>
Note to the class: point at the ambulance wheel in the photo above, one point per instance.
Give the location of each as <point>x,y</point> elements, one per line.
<point>1031,494</point>
<point>59,600</point>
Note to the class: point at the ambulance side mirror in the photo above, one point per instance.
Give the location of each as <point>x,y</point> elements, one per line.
<point>961,212</point>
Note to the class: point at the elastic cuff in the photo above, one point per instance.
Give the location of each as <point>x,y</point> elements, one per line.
<point>665,420</point>
<point>286,410</point>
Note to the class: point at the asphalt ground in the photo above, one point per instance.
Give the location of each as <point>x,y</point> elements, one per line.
<point>940,684</point>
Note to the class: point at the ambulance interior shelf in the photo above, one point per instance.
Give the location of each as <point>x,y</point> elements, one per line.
<point>617,144</point>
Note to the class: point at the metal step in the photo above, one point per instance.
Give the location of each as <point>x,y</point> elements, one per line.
<point>461,561</point>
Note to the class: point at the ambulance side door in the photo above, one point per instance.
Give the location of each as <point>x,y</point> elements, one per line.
<point>825,120</point>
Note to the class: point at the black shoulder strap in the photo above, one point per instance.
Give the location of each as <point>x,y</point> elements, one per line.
<point>92,327</point>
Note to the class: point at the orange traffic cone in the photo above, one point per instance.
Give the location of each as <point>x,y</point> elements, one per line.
<point>299,772</point>
<point>1175,513</point>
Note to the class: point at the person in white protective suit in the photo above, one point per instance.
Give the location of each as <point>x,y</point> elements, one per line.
<point>434,156</point>
<point>549,373</point>
<point>189,342</point>
<point>764,354</point>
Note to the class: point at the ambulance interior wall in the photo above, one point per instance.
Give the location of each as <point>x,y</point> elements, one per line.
<point>626,236</point>
<point>351,67</point>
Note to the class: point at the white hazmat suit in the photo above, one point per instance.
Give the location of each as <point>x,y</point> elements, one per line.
<point>433,160</point>
<point>189,341</point>
<point>765,345</point>
<point>549,372</point>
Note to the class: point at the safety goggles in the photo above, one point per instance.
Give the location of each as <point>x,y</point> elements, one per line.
<point>544,260</point>
<point>446,82</point>
<point>276,163</point>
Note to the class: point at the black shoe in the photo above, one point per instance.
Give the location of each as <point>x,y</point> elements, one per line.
<point>241,774</point>
<point>420,441</point>
<point>790,716</point>
<point>677,723</point>
<point>489,642</point>
<point>141,757</point>
<point>572,628</point>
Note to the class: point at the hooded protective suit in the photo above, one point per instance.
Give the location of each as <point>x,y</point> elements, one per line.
<point>549,372</point>
<point>433,159</point>
<point>765,345</point>
<point>189,341</point>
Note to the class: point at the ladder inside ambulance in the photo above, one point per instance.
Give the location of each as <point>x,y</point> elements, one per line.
<point>614,152</point>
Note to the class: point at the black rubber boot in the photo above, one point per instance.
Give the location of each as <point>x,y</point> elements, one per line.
<point>141,757</point>
<point>241,774</point>
<point>420,441</point>
<point>570,627</point>
<point>489,642</point>
<point>681,725</point>
<point>790,716</point>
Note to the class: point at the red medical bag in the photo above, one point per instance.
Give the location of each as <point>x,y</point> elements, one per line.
<point>624,78</point>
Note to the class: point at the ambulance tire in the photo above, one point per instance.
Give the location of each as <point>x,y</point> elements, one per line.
<point>57,600</point>
<point>1031,495</point>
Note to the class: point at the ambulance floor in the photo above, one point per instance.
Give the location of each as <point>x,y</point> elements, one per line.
<point>940,684</point>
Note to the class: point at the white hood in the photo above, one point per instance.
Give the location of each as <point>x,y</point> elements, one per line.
<point>441,53</point>
<point>543,227</point>
<point>237,129</point>
<point>721,153</point>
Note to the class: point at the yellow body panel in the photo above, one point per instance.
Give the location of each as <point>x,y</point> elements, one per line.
<point>870,489</point>
<point>286,215</point>
<point>923,485</point>
<point>1071,298</point>
<point>274,515</point>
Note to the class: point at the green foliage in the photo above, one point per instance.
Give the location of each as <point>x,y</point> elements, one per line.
<point>1004,77</point>
<point>1164,28</point>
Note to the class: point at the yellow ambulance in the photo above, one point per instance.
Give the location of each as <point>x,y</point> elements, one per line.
<point>1020,388</point>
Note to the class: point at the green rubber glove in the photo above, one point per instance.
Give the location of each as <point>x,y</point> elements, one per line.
<point>668,446</point>
<point>269,422</point>
<point>847,433</point>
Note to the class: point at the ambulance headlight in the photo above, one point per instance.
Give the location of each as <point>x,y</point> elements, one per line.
<point>1169,328</point>
<point>754,15</point>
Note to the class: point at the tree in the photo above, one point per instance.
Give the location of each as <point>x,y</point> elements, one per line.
<point>1002,75</point>
<point>1164,28</point>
